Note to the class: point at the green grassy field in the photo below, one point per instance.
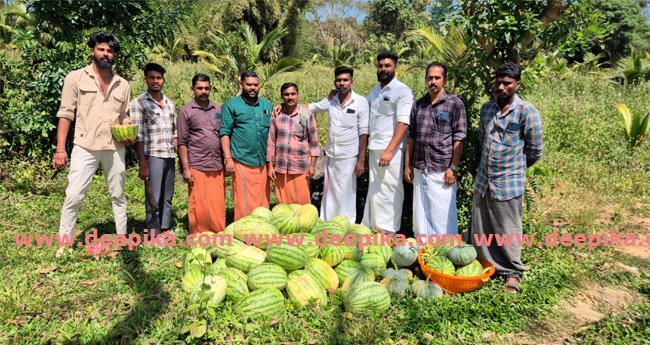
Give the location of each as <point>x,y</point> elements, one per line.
<point>597,183</point>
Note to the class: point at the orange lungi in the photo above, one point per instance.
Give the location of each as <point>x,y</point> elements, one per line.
<point>292,188</point>
<point>207,201</point>
<point>251,188</point>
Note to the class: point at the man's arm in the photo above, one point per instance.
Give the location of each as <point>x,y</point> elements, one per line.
<point>398,136</point>
<point>270,151</point>
<point>459,133</point>
<point>60,158</point>
<point>66,114</point>
<point>227,123</point>
<point>533,136</point>
<point>182,126</point>
<point>319,107</point>
<point>408,164</point>
<point>314,145</point>
<point>137,118</point>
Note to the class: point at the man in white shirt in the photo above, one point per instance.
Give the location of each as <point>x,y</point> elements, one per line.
<point>390,109</point>
<point>346,146</point>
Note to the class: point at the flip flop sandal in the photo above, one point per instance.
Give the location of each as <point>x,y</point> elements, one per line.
<point>512,284</point>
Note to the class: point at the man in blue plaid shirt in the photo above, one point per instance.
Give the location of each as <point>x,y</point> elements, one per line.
<point>511,141</point>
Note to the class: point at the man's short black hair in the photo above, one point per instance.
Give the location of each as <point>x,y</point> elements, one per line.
<point>387,54</point>
<point>200,77</point>
<point>288,85</point>
<point>248,74</point>
<point>343,70</point>
<point>104,37</point>
<point>154,67</point>
<point>437,64</point>
<point>510,70</point>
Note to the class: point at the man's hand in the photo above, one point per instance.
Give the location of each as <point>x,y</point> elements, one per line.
<point>359,168</point>
<point>277,110</point>
<point>332,94</point>
<point>450,177</point>
<point>230,166</point>
<point>408,174</point>
<point>144,170</point>
<point>312,170</point>
<point>59,160</point>
<point>270,172</point>
<point>385,158</point>
<point>187,176</point>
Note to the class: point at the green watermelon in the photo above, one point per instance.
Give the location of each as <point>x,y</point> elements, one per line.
<point>343,221</point>
<point>267,275</point>
<point>265,303</point>
<point>351,253</point>
<point>323,273</point>
<point>441,264</point>
<point>309,244</point>
<point>229,247</point>
<point>302,288</point>
<point>385,252</point>
<point>236,280</point>
<point>124,132</point>
<point>290,258</point>
<point>286,223</point>
<point>367,298</point>
<point>332,255</point>
<point>263,213</point>
<point>246,258</point>
<point>251,227</point>
<point>472,270</point>
<point>373,262</point>
<point>307,217</point>
<point>345,268</point>
<point>359,276</point>
<point>281,209</point>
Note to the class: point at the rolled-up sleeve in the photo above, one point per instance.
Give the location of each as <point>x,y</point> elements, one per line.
<point>533,136</point>
<point>182,128</point>
<point>459,124</point>
<point>69,97</point>
<point>226,121</point>
<point>363,116</point>
<point>404,105</point>
<point>137,118</point>
<point>314,147</point>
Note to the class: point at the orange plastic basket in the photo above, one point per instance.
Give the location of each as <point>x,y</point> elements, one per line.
<point>454,284</point>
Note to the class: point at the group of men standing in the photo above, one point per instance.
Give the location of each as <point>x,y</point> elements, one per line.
<point>420,141</point>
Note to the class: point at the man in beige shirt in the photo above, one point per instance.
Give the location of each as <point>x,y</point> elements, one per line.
<point>95,96</point>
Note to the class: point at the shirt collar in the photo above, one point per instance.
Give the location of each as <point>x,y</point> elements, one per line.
<point>257,101</point>
<point>91,73</point>
<point>516,102</point>
<point>149,97</point>
<point>444,97</point>
<point>193,104</point>
<point>391,84</point>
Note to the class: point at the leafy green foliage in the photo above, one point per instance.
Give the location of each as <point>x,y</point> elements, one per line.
<point>395,16</point>
<point>636,127</point>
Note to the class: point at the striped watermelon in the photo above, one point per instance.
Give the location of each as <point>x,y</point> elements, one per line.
<point>246,258</point>
<point>331,227</point>
<point>367,298</point>
<point>332,255</point>
<point>351,253</point>
<point>250,226</point>
<point>230,229</point>
<point>323,274</point>
<point>359,229</point>
<point>296,273</point>
<point>374,262</point>
<point>384,251</point>
<point>343,221</point>
<point>345,268</point>
<point>307,217</point>
<point>359,276</point>
<point>286,223</point>
<point>302,288</point>
<point>295,207</point>
<point>237,286</point>
<point>290,258</point>
<point>265,303</point>
<point>263,213</point>
<point>309,244</point>
<point>229,247</point>
<point>267,275</point>
<point>281,209</point>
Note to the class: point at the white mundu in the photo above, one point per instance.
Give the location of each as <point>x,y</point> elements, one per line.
<point>434,204</point>
<point>346,123</point>
<point>388,106</point>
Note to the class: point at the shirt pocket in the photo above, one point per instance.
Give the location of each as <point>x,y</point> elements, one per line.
<point>511,133</point>
<point>117,102</point>
<point>348,120</point>
<point>385,106</point>
<point>443,122</point>
<point>152,117</point>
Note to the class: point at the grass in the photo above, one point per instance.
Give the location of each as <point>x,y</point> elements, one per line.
<point>136,298</point>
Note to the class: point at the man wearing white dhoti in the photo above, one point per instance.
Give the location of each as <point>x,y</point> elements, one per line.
<point>438,126</point>
<point>346,146</point>
<point>390,108</point>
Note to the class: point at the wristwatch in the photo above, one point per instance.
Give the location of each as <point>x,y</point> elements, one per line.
<point>454,168</point>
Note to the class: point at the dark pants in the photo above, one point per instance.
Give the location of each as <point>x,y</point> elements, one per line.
<point>161,178</point>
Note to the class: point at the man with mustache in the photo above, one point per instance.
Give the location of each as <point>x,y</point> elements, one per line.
<point>437,129</point>
<point>292,149</point>
<point>390,110</point>
<point>94,97</point>
<point>155,115</point>
<point>201,159</point>
<point>244,136</point>
<point>346,145</point>
<point>510,133</point>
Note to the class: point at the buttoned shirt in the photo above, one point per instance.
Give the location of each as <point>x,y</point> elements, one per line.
<point>198,130</point>
<point>510,142</point>
<point>292,142</point>
<point>388,106</point>
<point>82,100</point>
<point>434,128</point>
<point>156,125</point>
<point>247,125</point>
<point>346,123</point>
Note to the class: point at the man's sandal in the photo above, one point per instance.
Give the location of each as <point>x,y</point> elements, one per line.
<point>512,283</point>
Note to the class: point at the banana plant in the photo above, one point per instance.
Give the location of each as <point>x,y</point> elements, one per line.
<point>636,127</point>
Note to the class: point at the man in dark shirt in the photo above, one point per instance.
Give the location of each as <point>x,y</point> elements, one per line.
<point>438,126</point>
<point>200,152</point>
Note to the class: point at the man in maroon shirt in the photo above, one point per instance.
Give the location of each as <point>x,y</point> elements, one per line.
<point>201,159</point>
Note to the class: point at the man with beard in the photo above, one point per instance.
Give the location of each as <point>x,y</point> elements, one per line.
<point>510,133</point>
<point>437,129</point>
<point>155,116</point>
<point>244,135</point>
<point>95,96</point>
<point>201,159</point>
<point>346,146</point>
<point>390,110</point>
<point>292,149</point>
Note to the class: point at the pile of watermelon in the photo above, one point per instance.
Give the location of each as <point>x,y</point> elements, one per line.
<point>259,279</point>
<point>457,260</point>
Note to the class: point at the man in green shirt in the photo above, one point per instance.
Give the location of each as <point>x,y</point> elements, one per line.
<point>244,134</point>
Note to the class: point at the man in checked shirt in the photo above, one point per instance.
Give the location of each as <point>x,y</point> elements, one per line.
<point>292,149</point>
<point>510,133</point>
<point>434,146</point>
